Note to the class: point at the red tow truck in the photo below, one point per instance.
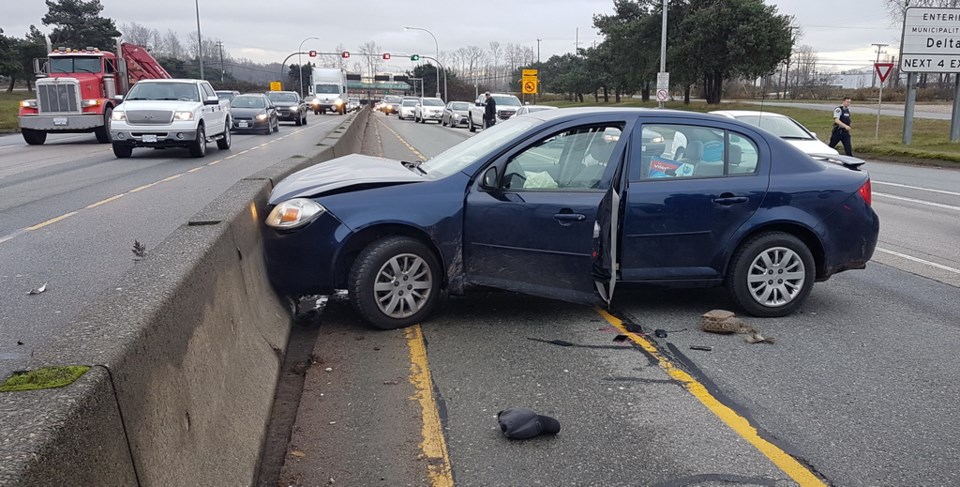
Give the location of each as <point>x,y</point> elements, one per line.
<point>77,90</point>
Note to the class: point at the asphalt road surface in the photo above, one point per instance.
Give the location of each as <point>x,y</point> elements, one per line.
<point>860,388</point>
<point>70,213</point>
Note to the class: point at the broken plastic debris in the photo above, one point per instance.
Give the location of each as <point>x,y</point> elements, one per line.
<point>660,333</point>
<point>329,369</point>
<point>705,348</point>
<point>38,290</point>
<point>298,453</point>
<point>620,338</point>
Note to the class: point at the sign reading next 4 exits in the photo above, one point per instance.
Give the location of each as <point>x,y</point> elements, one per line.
<point>931,40</point>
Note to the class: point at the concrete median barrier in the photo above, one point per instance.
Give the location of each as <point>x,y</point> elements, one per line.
<point>185,352</point>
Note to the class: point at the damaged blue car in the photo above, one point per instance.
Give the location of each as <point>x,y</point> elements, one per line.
<point>567,204</point>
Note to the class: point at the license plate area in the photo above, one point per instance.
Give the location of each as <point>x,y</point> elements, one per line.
<point>61,121</point>
<point>149,138</point>
<point>242,125</point>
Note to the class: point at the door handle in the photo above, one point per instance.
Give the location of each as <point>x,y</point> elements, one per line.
<point>727,199</point>
<point>576,217</point>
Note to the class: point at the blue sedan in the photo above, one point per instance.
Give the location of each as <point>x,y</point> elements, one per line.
<point>567,204</point>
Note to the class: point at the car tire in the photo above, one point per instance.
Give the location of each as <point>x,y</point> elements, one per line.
<point>33,137</point>
<point>389,305</point>
<point>298,122</point>
<point>198,148</point>
<point>103,132</point>
<point>771,274</point>
<point>304,118</point>
<point>443,123</point>
<point>224,143</point>
<point>276,125</point>
<point>471,126</point>
<point>122,151</point>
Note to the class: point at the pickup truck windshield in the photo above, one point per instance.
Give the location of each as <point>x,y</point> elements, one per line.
<point>164,91</point>
<point>509,101</point>
<point>85,64</point>
<point>327,90</point>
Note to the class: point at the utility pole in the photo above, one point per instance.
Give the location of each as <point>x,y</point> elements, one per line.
<point>199,39</point>
<point>879,45</point>
<point>538,70</point>
<point>220,44</point>
<point>663,47</point>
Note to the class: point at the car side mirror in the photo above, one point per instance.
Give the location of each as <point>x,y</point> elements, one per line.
<point>118,99</point>
<point>489,181</point>
<point>814,134</point>
<point>212,100</point>
<point>479,104</point>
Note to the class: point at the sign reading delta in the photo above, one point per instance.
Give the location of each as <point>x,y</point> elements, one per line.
<point>931,40</point>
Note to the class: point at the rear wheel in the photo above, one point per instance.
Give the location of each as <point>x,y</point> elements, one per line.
<point>298,122</point>
<point>199,147</point>
<point>34,137</point>
<point>471,126</point>
<point>103,132</point>
<point>122,151</point>
<point>771,274</point>
<point>304,118</point>
<point>224,143</point>
<point>395,282</point>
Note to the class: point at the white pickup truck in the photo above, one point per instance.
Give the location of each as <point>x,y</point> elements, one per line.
<point>170,113</point>
<point>507,106</point>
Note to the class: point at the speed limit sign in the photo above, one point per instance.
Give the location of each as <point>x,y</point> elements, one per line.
<point>662,95</point>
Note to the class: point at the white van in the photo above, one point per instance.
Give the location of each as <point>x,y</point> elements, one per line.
<point>330,88</point>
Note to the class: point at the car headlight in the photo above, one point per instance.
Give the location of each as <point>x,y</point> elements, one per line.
<point>29,103</point>
<point>294,109</point>
<point>338,101</point>
<point>294,213</point>
<point>118,116</point>
<point>90,103</point>
<point>262,116</point>
<point>183,116</point>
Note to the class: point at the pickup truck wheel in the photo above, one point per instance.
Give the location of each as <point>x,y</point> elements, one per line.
<point>122,151</point>
<point>771,274</point>
<point>395,282</point>
<point>199,147</point>
<point>472,127</point>
<point>298,122</point>
<point>224,143</point>
<point>103,132</point>
<point>33,137</point>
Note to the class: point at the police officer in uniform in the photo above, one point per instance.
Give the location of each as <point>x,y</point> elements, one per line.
<point>841,127</point>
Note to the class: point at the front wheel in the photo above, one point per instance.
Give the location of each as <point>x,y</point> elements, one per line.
<point>122,151</point>
<point>33,137</point>
<point>395,282</point>
<point>771,274</point>
<point>224,143</point>
<point>198,148</point>
<point>471,126</point>
<point>103,132</point>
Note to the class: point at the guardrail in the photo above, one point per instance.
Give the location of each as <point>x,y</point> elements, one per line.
<point>184,355</point>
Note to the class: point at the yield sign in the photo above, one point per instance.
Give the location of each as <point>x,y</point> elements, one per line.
<point>883,70</point>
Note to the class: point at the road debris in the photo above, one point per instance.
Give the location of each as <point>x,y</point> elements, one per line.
<point>139,250</point>
<point>726,323</point>
<point>523,423</point>
<point>705,348</point>
<point>38,290</point>
<point>298,453</point>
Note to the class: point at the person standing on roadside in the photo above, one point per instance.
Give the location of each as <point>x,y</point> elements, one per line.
<point>841,127</point>
<point>489,111</point>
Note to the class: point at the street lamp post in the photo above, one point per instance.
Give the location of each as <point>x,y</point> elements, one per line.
<point>438,55</point>
<point>300,62</point>
<point>199,39</point>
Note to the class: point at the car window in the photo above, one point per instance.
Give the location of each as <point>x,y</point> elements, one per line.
<point>692,151</point>
<point>573,159</point>
<point>207,90</point>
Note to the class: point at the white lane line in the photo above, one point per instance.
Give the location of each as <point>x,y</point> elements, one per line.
<point>919,202</point>
<point>919,260</point>
<point>918,188</point>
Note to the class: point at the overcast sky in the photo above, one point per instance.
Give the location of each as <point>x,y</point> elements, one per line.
<point>267,30</point>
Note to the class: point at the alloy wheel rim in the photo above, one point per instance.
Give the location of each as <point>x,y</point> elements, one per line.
<point>776,277</point>
<point>403,285</point>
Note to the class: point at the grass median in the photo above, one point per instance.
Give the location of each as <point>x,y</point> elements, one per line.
<point>9,105</point>
<point>931,138</point>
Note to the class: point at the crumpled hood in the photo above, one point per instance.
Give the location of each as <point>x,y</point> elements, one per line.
<point>342,172</point>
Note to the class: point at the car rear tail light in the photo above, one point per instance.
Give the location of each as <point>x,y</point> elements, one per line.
<point>866,193</point>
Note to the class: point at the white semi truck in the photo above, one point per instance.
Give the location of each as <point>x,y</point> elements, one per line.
<point>330,88</point>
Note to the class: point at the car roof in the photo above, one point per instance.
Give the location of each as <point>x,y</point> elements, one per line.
<point>294,92</point>
<point>548,107</point>
<point>548,115</point>
<point>170,80</point>
<point>745,113</point>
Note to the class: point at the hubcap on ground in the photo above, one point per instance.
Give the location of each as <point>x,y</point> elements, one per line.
<point>776,277</point>
<point>403,285</point>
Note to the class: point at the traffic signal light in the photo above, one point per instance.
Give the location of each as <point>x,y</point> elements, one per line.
<point>345,54</point>
<point>313,53</point>
<point>386,56</point>
<point>415,57</point>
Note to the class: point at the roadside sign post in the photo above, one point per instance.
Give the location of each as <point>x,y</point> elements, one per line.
<point>276,86</point>
<point>663,88</point>
<point>883,70</point>
<point>528,83</point>
<point>929,44</point>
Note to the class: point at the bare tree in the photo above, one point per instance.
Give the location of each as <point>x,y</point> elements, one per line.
<point>174,48</point>
<point>806,59</point>
<point>371,50</point>
<point>158,43</point>
<point>137,34</point>
<point>896,9</point>
<point>495,52</point>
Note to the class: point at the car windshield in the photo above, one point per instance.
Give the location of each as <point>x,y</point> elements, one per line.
<point>509,101</point>
<point>782,127</point>
<point>409,103</point>
<point>84,64</point>
<point>460,106</point>
<point>458,157</point>
<point>432,102</point>
<point>247,102</point>
<point>327,89</point>
<point>392,99</point>
<point>539,109</point>
<point>164,91</point>
<point>282,97</point>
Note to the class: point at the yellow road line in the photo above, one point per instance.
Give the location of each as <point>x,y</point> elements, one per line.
<point>51,221</point>
<point>171,178</point>
<point>101,202</point>
<point>403,141</point>
<point>145,186</point>
<point>196,169</point>
<point>789,465</point>
<point>433,446</point>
